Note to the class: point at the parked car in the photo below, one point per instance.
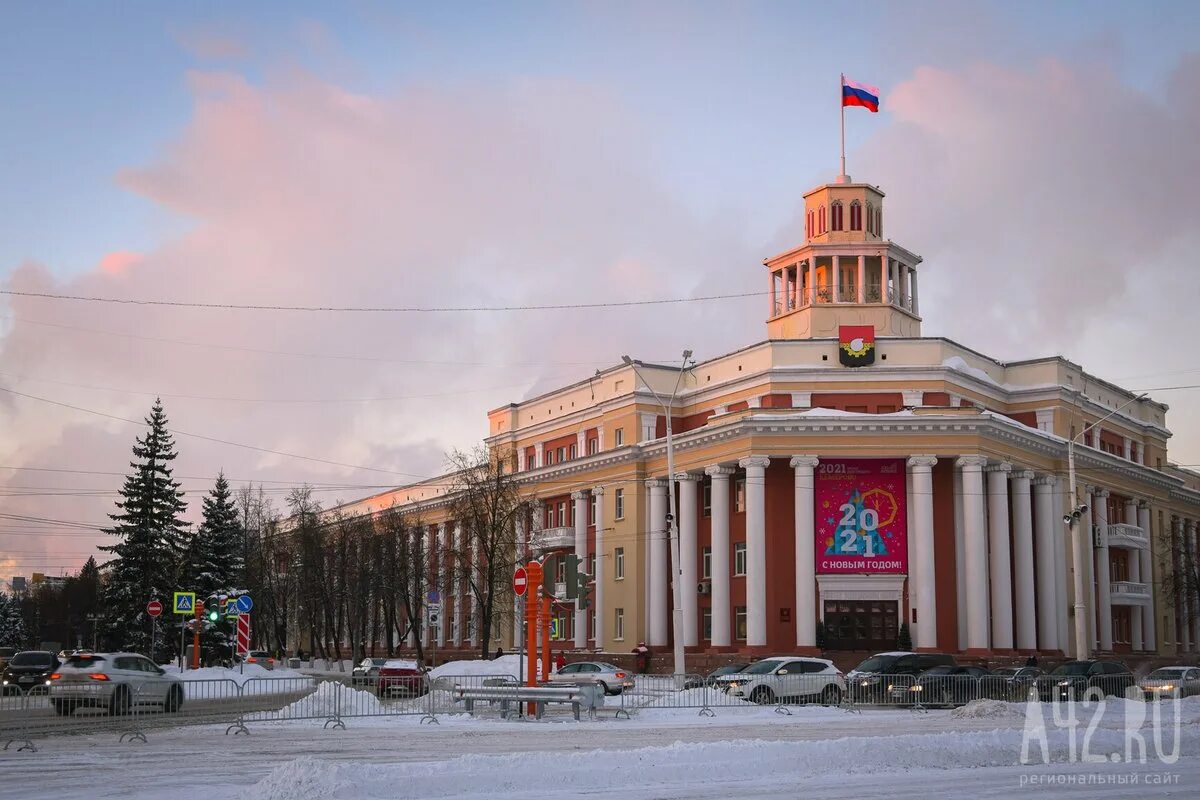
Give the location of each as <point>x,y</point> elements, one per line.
<point>945,685</point>
<point>399,676</point>
<point>711,679</point>
<point>1070,681</point>
<point>262,658</point>
<point>612,679</point>
<point>785,678</point>
<point>1011,683</point>
<point>366,672</point>
<point>28,671</point>
<point>5,654</point>
<point>117,682</point>
<point>1171,682</point>
<point>873,680</point>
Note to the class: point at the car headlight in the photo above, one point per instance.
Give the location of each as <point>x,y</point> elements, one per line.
<point>733,684</point>
<point>914,688</point>
<point>890,686</point>
<point>864,683</point>
<point>1167,687</point>
<point>1064,683</point>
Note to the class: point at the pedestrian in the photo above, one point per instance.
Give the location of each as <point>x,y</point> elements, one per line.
<point>1031,661</point>
<point>560,661</point>
<point>499,652</point>
<point>641,656</point>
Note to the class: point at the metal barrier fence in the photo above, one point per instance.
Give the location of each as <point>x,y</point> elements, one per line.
<point>131,710</point>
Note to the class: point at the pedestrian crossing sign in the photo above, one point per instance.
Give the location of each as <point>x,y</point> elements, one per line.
<point>185,602</point>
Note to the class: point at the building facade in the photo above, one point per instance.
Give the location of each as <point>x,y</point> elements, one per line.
<point>847,476</point>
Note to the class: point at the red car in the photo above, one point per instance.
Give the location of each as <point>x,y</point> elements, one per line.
<point>402,677</point>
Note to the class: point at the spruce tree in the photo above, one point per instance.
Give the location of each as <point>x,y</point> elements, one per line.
<point>217,548</point>
<point>152,537</point>
<point>12,622</point>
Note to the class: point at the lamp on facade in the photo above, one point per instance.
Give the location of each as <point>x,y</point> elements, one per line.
<point>675,569</point>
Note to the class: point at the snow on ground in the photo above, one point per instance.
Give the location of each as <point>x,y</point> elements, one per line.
<point>662,753</point>
<point>512,665</point>
<point>221,682</point>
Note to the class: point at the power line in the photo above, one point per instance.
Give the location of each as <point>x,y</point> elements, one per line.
<point>381,309</point>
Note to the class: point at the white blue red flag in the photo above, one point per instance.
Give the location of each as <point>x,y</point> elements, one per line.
<point>859,94</point>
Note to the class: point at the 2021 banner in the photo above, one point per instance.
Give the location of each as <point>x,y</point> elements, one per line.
<point>861,515</point>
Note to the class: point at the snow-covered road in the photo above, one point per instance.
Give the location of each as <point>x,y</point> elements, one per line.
<point>818,752</point>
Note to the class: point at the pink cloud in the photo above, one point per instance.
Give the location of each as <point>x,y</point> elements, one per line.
<point>118,262</point>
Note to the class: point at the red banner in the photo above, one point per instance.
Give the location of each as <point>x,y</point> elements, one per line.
<point>861,516</point>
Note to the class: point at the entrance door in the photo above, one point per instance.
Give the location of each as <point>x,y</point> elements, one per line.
<point>861,624</point>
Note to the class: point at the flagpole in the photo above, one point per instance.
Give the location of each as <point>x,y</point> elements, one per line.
<point>842,103</point>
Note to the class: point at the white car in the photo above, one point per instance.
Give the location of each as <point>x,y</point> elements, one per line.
<point>117,682</point>
<point>611,678</point>
<point>1171,682</point>
<point>795,678</point>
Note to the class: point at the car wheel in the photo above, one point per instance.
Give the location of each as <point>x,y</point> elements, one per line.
<point>120,702</point>
<point>763,696</point>
<point>831,695</point>
<point>604,688</point>
<point>174,700</point>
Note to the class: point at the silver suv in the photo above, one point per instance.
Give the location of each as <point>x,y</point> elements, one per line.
<point>787,678</point>
<point>117,682</point>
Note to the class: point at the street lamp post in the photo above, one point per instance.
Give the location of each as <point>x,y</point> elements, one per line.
<point>1071,519</point>
<point>673,519</point>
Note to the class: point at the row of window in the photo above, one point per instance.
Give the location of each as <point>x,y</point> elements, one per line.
<point>739,562</point>
<point>815,224</point>
<point>739,623</point>
<point>563,453</point>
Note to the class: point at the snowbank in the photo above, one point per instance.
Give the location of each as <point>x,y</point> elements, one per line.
<point>216,683</point>
<point>332,698</point>
<point>512,665</point>
<point>989,709</point>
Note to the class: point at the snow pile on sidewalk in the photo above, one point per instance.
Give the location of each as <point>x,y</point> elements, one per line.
<point>989,709</point>
<point>220,683</point>
<point>331,699</point>
<point>670,770</point>
<point>512,665</point>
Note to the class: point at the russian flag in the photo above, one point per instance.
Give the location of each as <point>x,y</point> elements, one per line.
<point>859,94</point>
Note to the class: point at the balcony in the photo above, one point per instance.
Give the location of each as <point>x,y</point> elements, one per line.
<point>548,539</point>
<point>1130,537</point>
<point>1128,593</point>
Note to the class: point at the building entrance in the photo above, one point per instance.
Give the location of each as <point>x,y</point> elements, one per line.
<point>861,624</point>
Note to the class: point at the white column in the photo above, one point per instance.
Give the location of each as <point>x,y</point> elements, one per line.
<point>658,562</point>
<point>688,501</point>
<point>539,455</point>
<point>1001,561</point>
<point>1087,536</point>
<point>1178,547</point>
<point>1022,531</point>
<point>805,540</point>
<point>862,279</point>
<point>885,277</point>
<point>1150,618</point>
<point>812,280</point>
<point>439,575</point>
<point>721,631</point>
<point>975,541</point>
<point>1061,570</point>
<point>600,438</point>
<point>905,294</point>
<point>601,556</point>
<point>457,633</point>
<point>925,595</point>
<point>1048,574</point>
<point>912,287</point>
<point>960,563</point>
<point>581,508</point>
<point>837,298</point>
<point>581,444</point>
<point>1103,579</point>
<point>1135,574</point>
<point>520,559</point>
<point>756,549</point>
<point>1195,602</point>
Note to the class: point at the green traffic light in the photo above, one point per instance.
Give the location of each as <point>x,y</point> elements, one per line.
<point>213,616</point>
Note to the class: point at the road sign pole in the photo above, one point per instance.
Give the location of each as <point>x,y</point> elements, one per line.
<point>182,633</point>
<point>198,606</point>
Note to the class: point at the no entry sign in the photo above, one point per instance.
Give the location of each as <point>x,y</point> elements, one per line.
<point>154,608</point>
<point>520,581</point>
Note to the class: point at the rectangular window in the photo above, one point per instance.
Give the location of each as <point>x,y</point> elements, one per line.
<point>739,623</point>
<point>619,496</point>
<point>707,624</point>
<point>739,495</point>
<point>592,499</point>
<point>560,570</point>
<point>739,558</point>
<point>706,563</point>
<point>619,437</point>
<point>593,446</point>
<point>706,500</point>
<point>562,454</point>
<point>591,564</point>
<point>618,624</point>
<point>592,625</point>
<point>562,514</point>
<point>572,451</point>
<point>619,563</point>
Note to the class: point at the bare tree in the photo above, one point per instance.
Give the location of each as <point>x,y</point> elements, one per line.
<point>486,503</point>
<point>406,571</point>
<point>1180,571</point>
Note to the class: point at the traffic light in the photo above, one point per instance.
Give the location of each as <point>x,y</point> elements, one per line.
<point>212,609</point>
<point>571,578</point>
<point>582,589</point>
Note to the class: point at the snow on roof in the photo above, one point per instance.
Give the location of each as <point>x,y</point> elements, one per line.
<point>958,364</point>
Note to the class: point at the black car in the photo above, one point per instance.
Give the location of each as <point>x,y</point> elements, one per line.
<point>711,679</point>
<point>28,671</point>
<point>874,680</point>
<point>946,685</point>
<point>1011,683</point>
<point>1072,680</point>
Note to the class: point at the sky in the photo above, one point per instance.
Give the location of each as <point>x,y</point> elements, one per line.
<point>1040,157</point>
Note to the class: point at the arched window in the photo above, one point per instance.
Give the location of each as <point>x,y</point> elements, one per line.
<point>821,220</point>
<point>835,216</point>
<point>879,222</point>
<point>870,218</point>
<point>808,227</point>
<point>856,216</point>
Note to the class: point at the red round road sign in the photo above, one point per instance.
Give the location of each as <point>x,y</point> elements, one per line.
<point>520,581</point>
<point>154,608</point>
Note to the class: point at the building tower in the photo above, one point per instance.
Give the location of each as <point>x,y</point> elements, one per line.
<point>846,272</point>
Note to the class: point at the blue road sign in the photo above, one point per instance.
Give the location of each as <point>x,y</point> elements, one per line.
<point>185,602</point>
<point>433,598</point>
<point>231,608</point>
<point>244,604</point>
